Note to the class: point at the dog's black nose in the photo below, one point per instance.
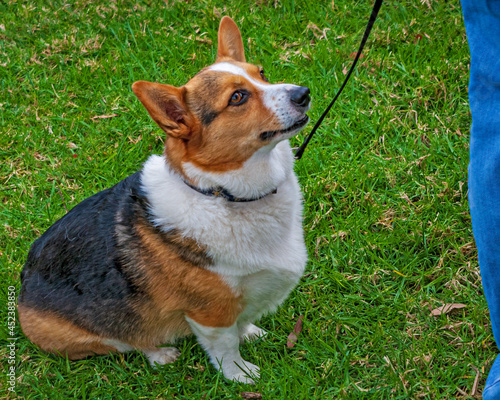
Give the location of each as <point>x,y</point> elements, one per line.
<point>299,96</point>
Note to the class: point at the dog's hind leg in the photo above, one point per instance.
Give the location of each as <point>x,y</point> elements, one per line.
<point>162,355</point>
<point>250,333</point>
<point>60,336</point>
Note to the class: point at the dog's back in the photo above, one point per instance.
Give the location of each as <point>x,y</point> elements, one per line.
<point>81,270</point>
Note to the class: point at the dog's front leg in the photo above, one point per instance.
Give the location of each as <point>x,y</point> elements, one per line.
<point>222,346</point>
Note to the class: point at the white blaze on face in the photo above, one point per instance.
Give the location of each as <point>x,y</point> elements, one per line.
<point>276,97</point>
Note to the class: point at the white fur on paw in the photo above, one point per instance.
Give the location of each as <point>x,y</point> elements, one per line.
<point>251,332</point>
<point>162,355</point>
<point>242,372</point>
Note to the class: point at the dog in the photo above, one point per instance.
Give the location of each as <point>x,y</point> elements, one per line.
<point>203,240</point>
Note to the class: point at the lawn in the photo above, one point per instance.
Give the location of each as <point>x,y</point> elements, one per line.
<point>384,182</point>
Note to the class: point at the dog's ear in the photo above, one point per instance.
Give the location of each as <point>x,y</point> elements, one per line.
<point>230,44</point>
<point>166,106</point>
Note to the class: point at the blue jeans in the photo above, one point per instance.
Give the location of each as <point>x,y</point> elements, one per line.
<point>482,23</point>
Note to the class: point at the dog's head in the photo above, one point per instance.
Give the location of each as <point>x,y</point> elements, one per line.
<point>226,113</point>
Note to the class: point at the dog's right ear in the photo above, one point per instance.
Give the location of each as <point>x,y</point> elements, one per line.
<point>166,106</point>
<point>230,44</point>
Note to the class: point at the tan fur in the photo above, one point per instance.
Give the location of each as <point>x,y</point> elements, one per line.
<point>226,144</point>
<point>178,288</point>
<point>59,336</point>
<point>203,146</point>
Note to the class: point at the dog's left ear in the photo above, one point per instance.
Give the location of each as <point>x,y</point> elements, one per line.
<point>166,105</point>
<point>230,44</point>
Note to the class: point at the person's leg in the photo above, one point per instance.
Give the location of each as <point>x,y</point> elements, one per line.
<point>482,23</point>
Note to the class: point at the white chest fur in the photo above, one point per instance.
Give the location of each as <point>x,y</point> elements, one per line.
<point>257,247</point>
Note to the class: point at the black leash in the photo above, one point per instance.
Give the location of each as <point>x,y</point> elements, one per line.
<point>373,17</point>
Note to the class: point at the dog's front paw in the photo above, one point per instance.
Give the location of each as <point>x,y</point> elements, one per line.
<point>242,371</point>
<point>251,332</point>
<point>162,355</point>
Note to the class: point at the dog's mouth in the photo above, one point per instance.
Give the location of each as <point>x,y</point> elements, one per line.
<point>268,135</point>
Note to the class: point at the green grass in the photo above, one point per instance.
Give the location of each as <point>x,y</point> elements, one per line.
<point>385,187</point>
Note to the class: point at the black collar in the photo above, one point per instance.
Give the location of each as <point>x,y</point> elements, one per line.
<point>221,192</point>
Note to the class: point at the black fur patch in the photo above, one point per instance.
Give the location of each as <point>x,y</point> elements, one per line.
<point>84,268</point>
<point>208,116</point>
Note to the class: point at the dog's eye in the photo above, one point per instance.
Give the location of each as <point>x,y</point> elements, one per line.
<point>263,76</point>
<point>238,98</point>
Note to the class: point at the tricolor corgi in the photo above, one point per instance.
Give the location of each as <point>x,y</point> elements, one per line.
<point>203,240</point>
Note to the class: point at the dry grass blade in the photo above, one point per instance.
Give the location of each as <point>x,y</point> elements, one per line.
<point>447,308</point>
